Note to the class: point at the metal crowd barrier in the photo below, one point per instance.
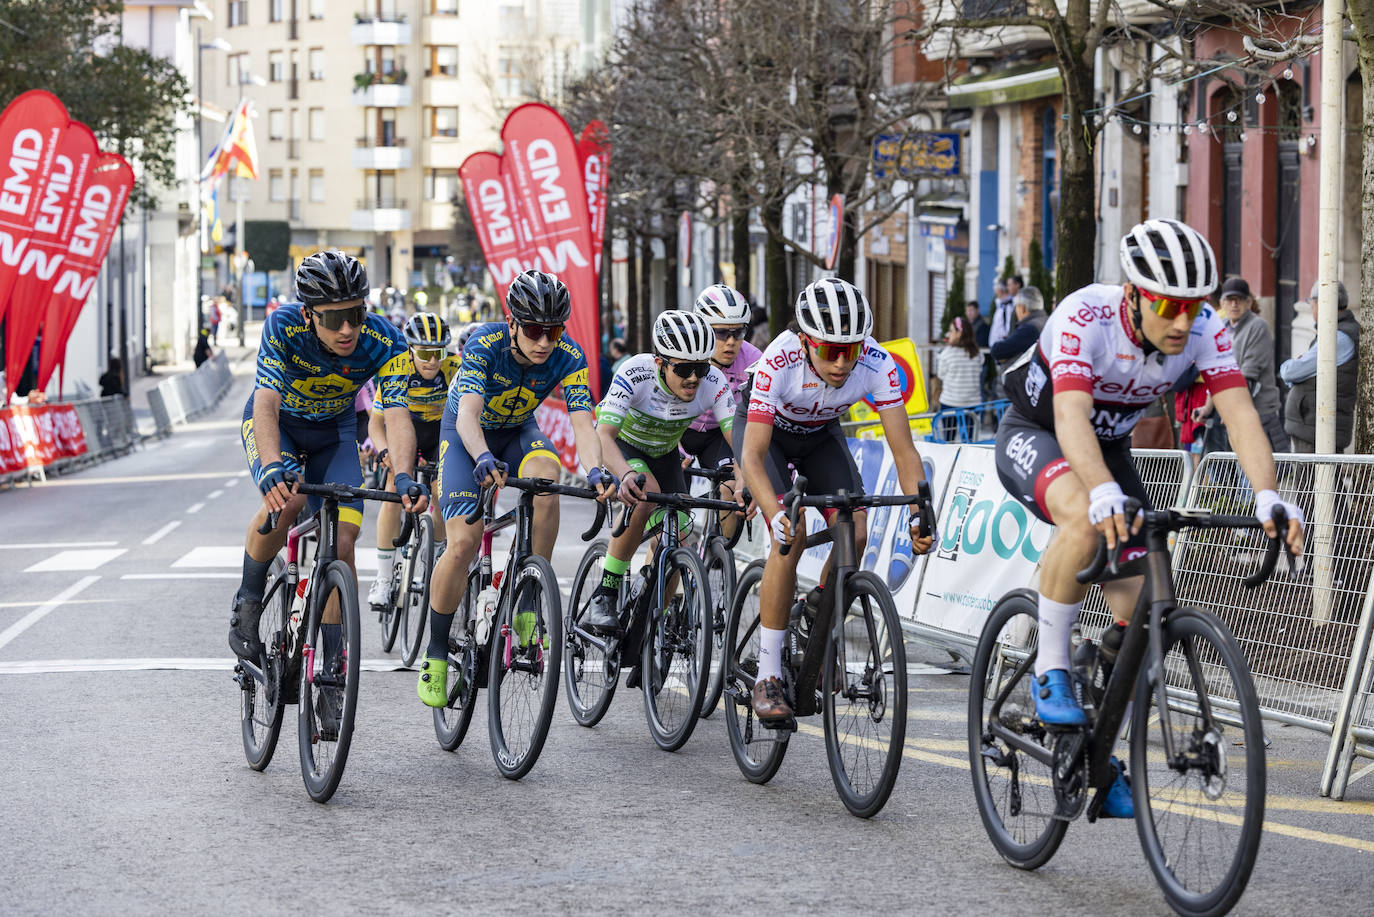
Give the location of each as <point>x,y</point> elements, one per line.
<point>110,431</point>
<point>180,398</point>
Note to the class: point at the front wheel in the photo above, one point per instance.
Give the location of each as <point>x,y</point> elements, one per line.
<point>263,701</point>
<point>412,595</point>
<point>522,680</point>
<point>329,683</point>
<point>864,690</point>
<point>720,577</point>
<point>464,675</point>
<point>675,658</point>
<point>1199,815</point>
<point>758,751</point>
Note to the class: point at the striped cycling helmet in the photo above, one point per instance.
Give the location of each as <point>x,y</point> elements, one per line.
<point>1169,259</point>
<point>425,329</point>
<point>835,311</point>
<point>682,335</point>
<point>720,304</point>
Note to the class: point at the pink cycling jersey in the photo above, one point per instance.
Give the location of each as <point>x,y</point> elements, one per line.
<point>737,372</point>
<point>787,393</point>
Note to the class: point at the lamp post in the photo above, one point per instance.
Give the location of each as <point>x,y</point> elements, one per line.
<point>218,44</point>
<point>240,260</point>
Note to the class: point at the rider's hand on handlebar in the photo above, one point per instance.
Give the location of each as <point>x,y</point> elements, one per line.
<point>920,545</point>
<point>410,504</point>
<point>604,482</point>
<point>630,490</point>
<point>1265,502</point>
<point>781,527</point>
<point>277,485</point>
<point>489,471</point>
<point>1106,512</point>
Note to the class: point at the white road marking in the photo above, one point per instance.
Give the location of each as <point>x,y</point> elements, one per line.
<point>160,533</point>
<point>131,479</point>
<point>48,666</point>
<point>194,508</point>
<point>214,494</point>
<point>33,617</point>
<point>70,602</point>
<point>75,560</point>
<point>59,544</point>
<point>180,576</point>
<point>211,556</point>
<point>230,482</point>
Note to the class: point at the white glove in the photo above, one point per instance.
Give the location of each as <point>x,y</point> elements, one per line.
<point>775,525</point>
<point>1105,501</point>
<point>1266,500</point>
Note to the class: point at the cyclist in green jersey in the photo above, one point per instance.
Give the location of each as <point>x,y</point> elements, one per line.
<point>653,398</point>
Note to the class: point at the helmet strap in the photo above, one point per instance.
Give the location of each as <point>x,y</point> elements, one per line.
<point>515,342</point>
<point>1146,345</point>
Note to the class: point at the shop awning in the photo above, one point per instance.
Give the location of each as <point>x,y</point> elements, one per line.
<point>1001,87</point>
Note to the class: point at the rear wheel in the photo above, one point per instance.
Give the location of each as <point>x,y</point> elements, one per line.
<point>464,655</point>
<point>389,615</point>
<point>720,578</point>
<point>757,751</point>
<point>412,596</point>
<point>263,700</point>
<point>675,658</point>
<point>329,685</point>
<point>588,673</point>
<point>522,681</point>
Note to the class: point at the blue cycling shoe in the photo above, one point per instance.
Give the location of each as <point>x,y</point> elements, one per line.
<point>1119,802</point>
<point>1055,704</point>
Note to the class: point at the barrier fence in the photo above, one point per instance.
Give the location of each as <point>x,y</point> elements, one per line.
<point>179,398</point>
<point>41,439</point>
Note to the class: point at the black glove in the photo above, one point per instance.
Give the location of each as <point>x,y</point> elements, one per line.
<point>486,467</point>
<point>597,477</point>
<point>274,474</point>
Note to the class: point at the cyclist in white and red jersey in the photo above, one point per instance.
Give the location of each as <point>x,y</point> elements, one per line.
<point>1063,447</point>
<point>802,385</point>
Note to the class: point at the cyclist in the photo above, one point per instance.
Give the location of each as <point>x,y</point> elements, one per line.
<point>507,370</point>
<point>299,420</point>
<point>1063,447</point>
<point>806,380</point>
<point>425,371</point>
<point>652,399</point>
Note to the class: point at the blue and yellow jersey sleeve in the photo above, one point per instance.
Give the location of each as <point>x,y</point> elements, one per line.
<point>424,397</point>
<point>573,376</point>
<point>272,352</point>
<point>480,356</point>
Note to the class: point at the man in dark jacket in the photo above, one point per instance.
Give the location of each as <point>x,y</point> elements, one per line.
<point>1300,408</point>
<point>1030,319</point>
<point>974,317</point>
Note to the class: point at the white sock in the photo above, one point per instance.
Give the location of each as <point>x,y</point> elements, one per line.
<point>1056,623</point>
<point>385,559</point>
<point>770,652</point>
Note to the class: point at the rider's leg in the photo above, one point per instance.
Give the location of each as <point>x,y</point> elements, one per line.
<point>623,546</point>
<point>546,514</point>
<point>1071,549</point>
<point>258,550</point>
<point>388,527</point>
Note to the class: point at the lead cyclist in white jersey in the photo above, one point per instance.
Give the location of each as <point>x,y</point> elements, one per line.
<point>1063,447</point>
<point>806,380</point>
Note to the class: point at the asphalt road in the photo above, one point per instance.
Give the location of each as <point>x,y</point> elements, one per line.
<point>125,788</point>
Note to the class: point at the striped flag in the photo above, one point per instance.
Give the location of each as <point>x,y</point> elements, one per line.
<point>236,149</point>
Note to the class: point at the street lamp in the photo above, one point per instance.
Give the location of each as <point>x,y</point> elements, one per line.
<point>240,260</point>
<point>218,44</point>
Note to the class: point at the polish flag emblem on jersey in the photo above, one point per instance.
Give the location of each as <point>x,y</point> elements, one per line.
<point>1223,339</point>
<point>761,381</point>
<point>1069,344</point>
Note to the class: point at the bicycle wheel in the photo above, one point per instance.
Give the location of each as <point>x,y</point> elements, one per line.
<point>329,687</point>
<point>757,751</point>
<point>675,658</point>
<point>720,578</point>
<point>590,677</point>
<point>1014,790</point>
<point>414,586</point>
<point>263,701</point>
<point>451,720</point>
<point>864,692</point>
<point>389,615</point>
<point>1199,816</point>
<point>522,680</point>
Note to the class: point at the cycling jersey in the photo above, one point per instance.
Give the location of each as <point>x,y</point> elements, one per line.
<point>315,383</point>
<point>1088,345</point>
<point>424,397</point>
<point>736,373</point>
<point>510,391</point>
<point>786,392</point>
<point>651,417</point>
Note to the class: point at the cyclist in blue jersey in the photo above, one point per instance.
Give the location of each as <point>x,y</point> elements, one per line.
<point>507,370</point>
<point>299,419</point>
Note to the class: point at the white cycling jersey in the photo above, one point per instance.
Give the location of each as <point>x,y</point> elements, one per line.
<point>786,392</point>
<point>1088,345</point>
<point>652,418</point>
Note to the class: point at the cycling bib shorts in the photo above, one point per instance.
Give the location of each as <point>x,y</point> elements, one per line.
<point>321,451</point>
<point>822,455</point>
<point>515,446</point>
<point>709,447</point>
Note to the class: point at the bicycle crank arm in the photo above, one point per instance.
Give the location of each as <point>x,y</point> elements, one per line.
<point>1020,743</point>
<point>248,669</point>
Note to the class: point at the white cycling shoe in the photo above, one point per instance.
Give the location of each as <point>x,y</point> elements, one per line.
<point>380,593</point>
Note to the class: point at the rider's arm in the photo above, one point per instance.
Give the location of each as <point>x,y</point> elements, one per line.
<point>402,442</point>
<point>753,457</point>
<point>266,433</point>
<point>376,430</point>
<point>897,431</point>
<point>1073,428</point>
<point>607,433</point>
<point>584,435</point>
<point>470,424</point>
<point>1252,448</point>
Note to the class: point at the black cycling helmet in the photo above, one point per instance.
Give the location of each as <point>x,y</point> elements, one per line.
<point>329,277</point>
<point>425,329</point>
<point>538,298</point>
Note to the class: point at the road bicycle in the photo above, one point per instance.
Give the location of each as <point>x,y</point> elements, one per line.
<point>294,667</point>
<point>664,613</point>
<point>517,653</point>
<point>407,613</point>
<point>1196,741</point>
<point>717,553</point>
<point>849,663</point>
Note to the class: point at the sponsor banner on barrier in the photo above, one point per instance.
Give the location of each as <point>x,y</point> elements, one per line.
<point>552,417</point>
<point>11,455</point>
<point>34,436</point>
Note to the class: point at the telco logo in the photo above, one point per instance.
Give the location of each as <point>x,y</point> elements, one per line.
<point>785,359</point>
<point>1004,526</point>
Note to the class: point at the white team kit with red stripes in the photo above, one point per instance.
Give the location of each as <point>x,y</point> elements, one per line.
<point>1088,345</point>
<point>787,393</point>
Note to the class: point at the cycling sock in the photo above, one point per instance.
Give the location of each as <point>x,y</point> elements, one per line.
<point>1056,622</point>
<point>332,636</point>
<point>386,558</point>
<point>439,626</point>
<point>254,582</point>
<point>613,577</point>
<point>770,652</point>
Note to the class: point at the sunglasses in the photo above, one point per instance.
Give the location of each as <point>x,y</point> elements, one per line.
<point>733,333</point>
<point>537,333</point>
<point>686,370</point>
<point>425,354</point>
<point>1170,309</point>
<point>831,352</point>
<point>334,318</point>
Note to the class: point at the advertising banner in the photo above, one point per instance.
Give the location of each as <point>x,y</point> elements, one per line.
<point>30,129</point>
<point>11,456</point>
<point>493,215</point>
<point>594,152</point>
<point>553,420</point>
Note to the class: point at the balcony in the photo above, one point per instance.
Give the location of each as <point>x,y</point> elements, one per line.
<point>378,155</point>
<point>381,90</point>
<point>441,29</point>
<point>436,215</point>
<point>442,90</point>
<point>442,153</point>
<point>369,30</point>
<point>381,215</point>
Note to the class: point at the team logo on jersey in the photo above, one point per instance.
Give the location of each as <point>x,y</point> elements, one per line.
<point>1069,344</point>
<point>1223,339</point>
<point>513,401</point>
<point>762,381</point>
<point>323,386</point>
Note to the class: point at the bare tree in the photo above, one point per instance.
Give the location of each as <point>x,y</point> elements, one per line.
<point>1361,13</point>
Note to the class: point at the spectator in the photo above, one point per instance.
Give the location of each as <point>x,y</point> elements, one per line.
<point>213,316</point>
<point>974,316</point>
<point>203,351</point>
<point>1300,408</point>
<point>1002,314</point>
<point>618,352</point>
<point>1015,285</point>
<point>112,383</point>
<point>959,374</point>
<point>1254,349</point>
<point>1029,311</point>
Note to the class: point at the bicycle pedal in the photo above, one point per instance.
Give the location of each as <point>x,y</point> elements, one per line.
<point>788,724</point>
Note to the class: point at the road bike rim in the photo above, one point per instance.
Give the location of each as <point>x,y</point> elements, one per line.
<point>677,643</point>
<point>524,673</point>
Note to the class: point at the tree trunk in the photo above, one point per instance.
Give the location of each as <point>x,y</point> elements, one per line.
<point>775,274</point>
<point>1076,222</point>
<point>1362,15</point>
<point>631,289</point>
<point>739,250</point>
<point>849,244</point>
<point>645,318</point>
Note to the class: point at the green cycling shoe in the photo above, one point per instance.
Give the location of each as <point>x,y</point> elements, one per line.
<point>433,684</point>
<point>524,624</point>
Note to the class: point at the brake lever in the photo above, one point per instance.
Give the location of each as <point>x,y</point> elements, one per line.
<point>598,522</point>
<point>792,501</point>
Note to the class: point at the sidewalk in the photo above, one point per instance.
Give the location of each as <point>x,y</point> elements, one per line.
<point>241,360</point>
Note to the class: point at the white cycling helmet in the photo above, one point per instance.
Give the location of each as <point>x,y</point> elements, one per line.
<point>1169,259</point>
<point>680,335</point>
<point>722,305</point>
<point>834,311</point>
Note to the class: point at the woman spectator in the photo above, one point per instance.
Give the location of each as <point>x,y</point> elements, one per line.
<point>958,372</point>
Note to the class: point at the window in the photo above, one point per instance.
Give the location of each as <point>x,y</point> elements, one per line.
<point>238,68</point>
<point>276,185</point>
<point>317,186</point>
<point>510,20</point>
<point>444,7</point>
<point>443,122</point>
<point>295,186</point>
<point>317,63</point>
<point>238,12</point>
<point>443,60</point>
<point>275,10</point>
<point>315,124</point>
<point>386,121</point>
<point>507,74</point>
<point>441,184</point>
<point>276,124</point>
<point>317,9</point>
<point>276,66</point>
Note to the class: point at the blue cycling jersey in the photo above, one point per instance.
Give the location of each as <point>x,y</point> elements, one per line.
<point>317,384</point>
<point>510,391</point>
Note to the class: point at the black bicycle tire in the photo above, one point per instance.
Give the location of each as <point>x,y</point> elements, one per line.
<point>724,558</point>
<point>684,561</point>
<point>766,768</point>
<point>389,617</point>
<point>516,768</point>
<point>450,737</point>
<point>584,715</point>
<point>423,545</point>
<point>338,576</point>
<point>1232,885</point>
<point>866,805</point>
<point>259,755</point>
<point>1038,852</point>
